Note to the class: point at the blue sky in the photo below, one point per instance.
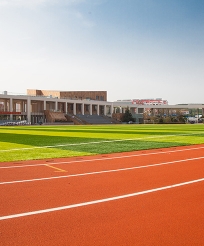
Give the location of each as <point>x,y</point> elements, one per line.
<point>130,48</point>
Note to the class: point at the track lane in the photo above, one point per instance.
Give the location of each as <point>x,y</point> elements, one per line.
<point>24,197</point>
<point>69,166</point>
<point>170,217</point>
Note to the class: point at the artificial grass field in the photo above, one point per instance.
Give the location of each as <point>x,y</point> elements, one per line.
<point>39,142</point>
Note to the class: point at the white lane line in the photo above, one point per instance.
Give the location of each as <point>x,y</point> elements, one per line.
<point>105,141</point>
<point>102,159</point>
<point>12,216</point>
<point>100,172</point>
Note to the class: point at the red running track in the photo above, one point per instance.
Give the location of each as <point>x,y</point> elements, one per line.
<point>153,197</point>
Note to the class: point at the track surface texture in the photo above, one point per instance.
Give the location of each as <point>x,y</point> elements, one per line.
<point>153,197</point>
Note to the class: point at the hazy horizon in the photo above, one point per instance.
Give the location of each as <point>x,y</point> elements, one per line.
<point>129,48</point>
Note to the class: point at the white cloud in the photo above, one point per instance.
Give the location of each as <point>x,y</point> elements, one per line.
<point>22,2</point>
<point>35,3</point>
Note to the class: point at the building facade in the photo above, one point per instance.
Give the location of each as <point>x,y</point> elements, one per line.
<point>80,95</point>
<point>33,106</point>
<point>151,101</point>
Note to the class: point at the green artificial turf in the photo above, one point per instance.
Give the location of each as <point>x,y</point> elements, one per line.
<point>38,142</point>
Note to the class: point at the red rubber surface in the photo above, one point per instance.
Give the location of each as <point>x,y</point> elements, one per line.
<point>168,217</point>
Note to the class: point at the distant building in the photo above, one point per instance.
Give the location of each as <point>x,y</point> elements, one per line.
<point>157,101</point>
<point>150,101</point>
<point>37,106</point>
<point>77,95</point>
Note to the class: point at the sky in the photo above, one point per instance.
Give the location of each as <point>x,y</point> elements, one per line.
<point>132,49</point>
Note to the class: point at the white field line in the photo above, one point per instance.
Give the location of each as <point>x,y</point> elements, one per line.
<point>101,172</point>
<point>48,210</point>
<point>102,159</point>
<point>87,143</point>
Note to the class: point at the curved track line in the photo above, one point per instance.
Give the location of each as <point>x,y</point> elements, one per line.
<point>100,172</point>
<point>12,216</point>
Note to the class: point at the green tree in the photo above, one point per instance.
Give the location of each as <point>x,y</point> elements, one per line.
<point>161,121</point>
<point>128,116</point>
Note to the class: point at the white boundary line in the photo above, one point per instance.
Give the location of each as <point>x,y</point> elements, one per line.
<point>100,172</point>
<point>105,141</point>
<point>105,158</point>
<point>12,216</point>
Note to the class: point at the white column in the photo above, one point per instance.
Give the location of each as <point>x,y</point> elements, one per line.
<point>82,108</point>
<point>44,105</point>
<point>11,108</point>
<point>97,109</point>
<point>111,110</point>
<point>104,109</point>
<point>28,109</point>
<point>74,108</point>
<point>11,105</point>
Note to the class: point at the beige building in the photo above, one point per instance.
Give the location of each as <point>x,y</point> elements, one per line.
<point>81,95</point>
<point>38,105</point>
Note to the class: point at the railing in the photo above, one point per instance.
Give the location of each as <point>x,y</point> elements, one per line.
<point>14,122</point>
